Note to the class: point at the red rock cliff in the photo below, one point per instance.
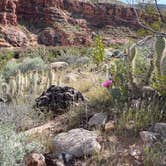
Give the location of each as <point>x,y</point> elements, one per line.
<point>8,12</point>
<point>48,11</point>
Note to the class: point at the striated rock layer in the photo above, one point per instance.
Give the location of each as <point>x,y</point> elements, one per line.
<point>66,22</point>
<point>8,12</point>
<point>48,11</point>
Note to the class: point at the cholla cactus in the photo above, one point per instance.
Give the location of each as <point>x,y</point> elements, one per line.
<point>163,62</point>
<point>159,48</point>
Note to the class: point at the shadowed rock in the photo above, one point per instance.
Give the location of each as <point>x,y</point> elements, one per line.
<point>58,99</point>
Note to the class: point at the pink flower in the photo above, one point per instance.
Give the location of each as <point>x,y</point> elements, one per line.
<point>107,83</point>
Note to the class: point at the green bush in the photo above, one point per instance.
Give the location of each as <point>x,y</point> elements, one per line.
<point>5,55</point>
<point>13,146</point>
<point>98,52</point>
<point>29,64</point>
<point>10,69</point>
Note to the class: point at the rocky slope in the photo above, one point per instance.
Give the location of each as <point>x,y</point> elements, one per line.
<point>61,22</point>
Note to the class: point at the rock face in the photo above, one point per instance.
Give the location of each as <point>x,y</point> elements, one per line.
<point>49,11</point>
<point>8,12</point>
<point>14,36</point>
<point>77,142</point>
<point>58,99</point>
<point>67,22</point>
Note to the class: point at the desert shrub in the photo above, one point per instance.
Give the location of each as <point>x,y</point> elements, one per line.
<point>98,51</point>
<point>10,69</point>
<point>138,119</point>
<point>155,155</point>
<point>14,146</point>
<point>19,115</point>
<point>5,55</point>
<point>29,64</point>
<point>159,83</point>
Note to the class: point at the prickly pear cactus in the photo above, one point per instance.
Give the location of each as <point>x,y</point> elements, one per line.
<point>163,62</point>
<point>141,66</point>
<point>159,48</point>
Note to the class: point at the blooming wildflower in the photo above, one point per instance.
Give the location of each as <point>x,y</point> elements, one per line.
<point>107,83</point>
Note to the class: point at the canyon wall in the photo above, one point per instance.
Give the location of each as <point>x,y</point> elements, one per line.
<point>63,22</point>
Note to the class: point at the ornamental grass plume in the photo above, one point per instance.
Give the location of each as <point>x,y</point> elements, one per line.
<point>107,83</point>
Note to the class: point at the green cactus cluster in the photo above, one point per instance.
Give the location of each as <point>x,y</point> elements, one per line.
<point>163,64</point>
<point>159,49</point>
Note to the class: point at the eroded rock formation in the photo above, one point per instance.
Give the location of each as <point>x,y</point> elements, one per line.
<point>58,99</point>
<point>8,12</point>
<point>66,22</point>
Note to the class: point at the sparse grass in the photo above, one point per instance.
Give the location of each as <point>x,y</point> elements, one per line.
<point>137,119</point>
<point>155,156</point>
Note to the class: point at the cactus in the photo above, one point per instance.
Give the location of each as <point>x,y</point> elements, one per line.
<point>159,48</point>
<point>131,55</point>
<point>163,63</point>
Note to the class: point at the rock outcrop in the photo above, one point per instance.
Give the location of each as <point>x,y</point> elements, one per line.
<point>67,22</point>
<point>58,99</point>
<point>77,142</point>
<point>8,12</point>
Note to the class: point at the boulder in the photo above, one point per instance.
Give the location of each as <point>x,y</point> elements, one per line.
<point>161,129</point>
<point>59,99</point>
<point>149,138</point>
<point>98,120</point>
<point>109,126</point>
<point>34,159</point>
<point>14,36</point>
<point>77,142</point>
<point>59,65</point>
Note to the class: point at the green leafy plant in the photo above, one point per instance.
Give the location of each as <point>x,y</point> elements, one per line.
<point>98,52</point>
<point>13,146</point>
<point>30,64</point>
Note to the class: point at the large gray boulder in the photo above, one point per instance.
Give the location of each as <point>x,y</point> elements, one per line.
<point>161,129</point>
<point>77,142</point>
<point>149,138</point>
<point>98,120</point>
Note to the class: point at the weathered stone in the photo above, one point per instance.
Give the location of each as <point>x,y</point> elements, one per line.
<point>98,120</point>
<point>59,99</point>
<point>14,36</point>
<point>56,21</point>
<point>109,126</point>
<point>161,129</point>
<point>8,12</point>
<point>136,152</point>
<point>77,142</point>
<point>34,159</point>
<point>149,138</point>
<point>58,65</point>
<point>71,77</point>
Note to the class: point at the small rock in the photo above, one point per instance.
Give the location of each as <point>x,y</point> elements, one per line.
<point>59,65</point>
<point>71,78</point>
<point>98,120</point>
<point>161,129</point>
<point>77,142</point>
<point>35,159</point>
<point>135,152</point>
<point>109,126</point>
<point>149,138</point>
